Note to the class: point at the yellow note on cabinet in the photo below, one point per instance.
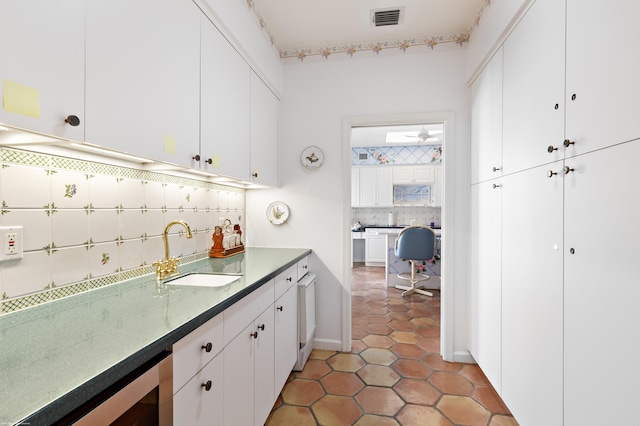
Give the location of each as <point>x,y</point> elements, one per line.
<point>215,161</point>
<point>20,99</point>
<point>170,144</point>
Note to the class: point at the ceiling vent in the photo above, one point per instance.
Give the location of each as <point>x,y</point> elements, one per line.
<point>385,17</point>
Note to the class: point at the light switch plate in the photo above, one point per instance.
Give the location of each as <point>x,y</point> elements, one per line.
<point>10,243</point>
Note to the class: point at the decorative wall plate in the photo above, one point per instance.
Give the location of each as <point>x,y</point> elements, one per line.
<point>312,157</point>
<point>277,212</point>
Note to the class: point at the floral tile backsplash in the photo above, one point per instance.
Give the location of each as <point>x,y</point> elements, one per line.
<point>87,224</point>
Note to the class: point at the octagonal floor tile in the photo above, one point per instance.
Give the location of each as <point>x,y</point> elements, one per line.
<point>402,325</point>
<point>357,346</point>
<point>314,369</point>
<point>424,322</point>
<point>378,356</point>
<point>420,415</point>
<point>407,350</point>
<point>403,316</point>
<point>321,354</point>
<point>474,374</point>
<point>383,401</point>
<point>346,362</point>
<point>373,420</point>
<point>418,392</point>
<point>428,332</point>
<point>405,337</point>
<point>377,341</point>
<point>430,345</point>
<point>289,415</point>
<point>382,329</point>
<point>341,383</point>
<point>488,397</point>
<point>411,368</point>
<point>436,362</point>
<point>378,319</point>
<point>378,375</point>
<point>503,421</point>
<point>463,410</point>
<point>302,392</point>
<point>336,410</point>
<point>451,383</point>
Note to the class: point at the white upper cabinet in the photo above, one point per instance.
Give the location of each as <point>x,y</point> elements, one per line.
<point>409,175</point>
<point>533,91</point>
<point>42,66</point>
<point>376,187</point>
<point>486,122</point>
<point>355,187</point>
<point>602,73</point>
<point>224,106</point>
<point>264,133</point>
<point>143,78</point>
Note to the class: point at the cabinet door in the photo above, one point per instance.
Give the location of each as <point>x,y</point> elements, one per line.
<point>532,295</point>
<point>533,108</point>
<point>239,356</point>
<point>224,106</point>
<point>603,77</point>
<point>384,179</point>
<point>355,187</point>
<point>286,339</point>
<point>368,187</point>
<point>486,280</point>
<point>43,60</point>
<point>375,250</point>
<point>601,287</point>
<point>264,380</point>
<point>437,188</point>
<point>264,133</point>
<point>143,78</point>
<point>486,122</point>
<point>402,175</point>
<point>198,403</point>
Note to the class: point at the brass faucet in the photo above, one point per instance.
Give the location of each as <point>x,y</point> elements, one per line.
<point>169,266</point>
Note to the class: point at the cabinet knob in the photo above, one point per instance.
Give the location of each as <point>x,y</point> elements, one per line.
<point>567,143</point>
<point>289,279</point>
<point>497,169</point>
<point>567,169</point>
<point>496,186</point>
<point>207,347</point>
<point>207,386</point>
<point>254,174</point>
<point>254,335</point>
<point>551,148</point>
<point>196,157</point>
<point>261,327</point>
<point>305,266</point>
<point>551,173</point>
<point>209,161</point>
<point>279,308</point>
<point>72,120</point>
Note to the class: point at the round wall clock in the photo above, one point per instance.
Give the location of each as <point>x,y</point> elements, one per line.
<point>277,212</point>
<point>312,157</point>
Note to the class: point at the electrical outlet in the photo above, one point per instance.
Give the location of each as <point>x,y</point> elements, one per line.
<point>11,243</point>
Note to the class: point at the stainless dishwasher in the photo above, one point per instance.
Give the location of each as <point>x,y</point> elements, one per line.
<point>306,318</point>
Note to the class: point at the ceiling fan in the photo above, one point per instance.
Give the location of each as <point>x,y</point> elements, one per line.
<point>426,136</point>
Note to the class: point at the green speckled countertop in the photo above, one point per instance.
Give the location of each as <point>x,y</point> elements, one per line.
<point>56,356</point>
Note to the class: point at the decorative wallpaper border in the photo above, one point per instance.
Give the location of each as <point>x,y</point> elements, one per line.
<point>378,155</point>
<point>375,47</point>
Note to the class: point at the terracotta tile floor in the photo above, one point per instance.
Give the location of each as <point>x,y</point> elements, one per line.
<point>394,374</point>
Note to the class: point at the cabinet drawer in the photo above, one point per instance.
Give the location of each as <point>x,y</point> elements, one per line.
<point>303,267</point>
<point>194,404</point>
<point>241,314</point>
<point>284,280</point>
<point>190,353</point>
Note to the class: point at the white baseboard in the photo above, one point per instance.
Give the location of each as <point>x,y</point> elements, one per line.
<point>327,345</point>
<point>464,357</point>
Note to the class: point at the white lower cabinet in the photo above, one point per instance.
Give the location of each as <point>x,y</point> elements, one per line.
<point>201,401</point>
<point>375,248</point>
<point>286,329</point>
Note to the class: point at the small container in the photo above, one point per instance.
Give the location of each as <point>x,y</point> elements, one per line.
<point>433,224</point>
<point>392,220</point>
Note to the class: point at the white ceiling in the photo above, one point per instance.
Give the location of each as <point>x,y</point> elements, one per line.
<point>375,135</point>
<point>312,24</point>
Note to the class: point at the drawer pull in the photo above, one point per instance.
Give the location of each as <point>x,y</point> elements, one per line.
<point>289,279</point>
<point>72,120</point>
<point>207,347</point>
<point>207,386</point>
<point>279,308</point>
<point>261,327</point>
<point>254,335</point>
<point>305,266</point>
<point>567,143</point>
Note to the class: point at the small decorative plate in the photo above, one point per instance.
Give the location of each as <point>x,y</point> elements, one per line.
<point>312,157</point>
<point>277,212</point>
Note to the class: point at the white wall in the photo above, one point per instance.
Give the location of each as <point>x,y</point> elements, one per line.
<point>318,95</point>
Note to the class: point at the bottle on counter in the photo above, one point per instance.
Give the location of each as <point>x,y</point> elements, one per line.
<point>392,220</point>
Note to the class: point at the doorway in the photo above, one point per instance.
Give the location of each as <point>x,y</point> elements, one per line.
<point>401,126</point>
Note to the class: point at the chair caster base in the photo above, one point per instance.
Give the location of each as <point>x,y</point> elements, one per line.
<point>410,290</point>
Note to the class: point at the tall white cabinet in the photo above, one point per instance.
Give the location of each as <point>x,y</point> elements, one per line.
<point>560,295</point>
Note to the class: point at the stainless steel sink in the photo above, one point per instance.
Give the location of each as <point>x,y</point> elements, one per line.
<point>203,280</point>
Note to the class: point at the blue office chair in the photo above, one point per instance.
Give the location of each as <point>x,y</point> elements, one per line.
<point>415,243</point>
